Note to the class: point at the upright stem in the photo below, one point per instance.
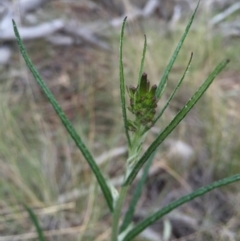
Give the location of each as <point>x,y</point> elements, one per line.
<point>136,146</point>
<point>117,213</point>
<point>133,155</point>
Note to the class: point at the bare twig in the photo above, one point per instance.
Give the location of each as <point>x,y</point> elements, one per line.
<point>223,15</point>
<point>43,211</point>
<point>41,30</point>
<point>29,5</point>
<point>51,233</point>
<point>86,34</point>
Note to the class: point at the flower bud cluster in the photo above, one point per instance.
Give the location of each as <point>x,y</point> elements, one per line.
<point>143,103</point>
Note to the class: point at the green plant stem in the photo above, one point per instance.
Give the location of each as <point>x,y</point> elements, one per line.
<point>117,213</point>
<point>133,151</point>
<point>136,195</point>
<point>136,146</point>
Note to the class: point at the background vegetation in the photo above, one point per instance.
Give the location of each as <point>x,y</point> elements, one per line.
<point>40,165</point>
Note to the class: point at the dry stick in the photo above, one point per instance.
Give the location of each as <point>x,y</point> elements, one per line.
<point>42,211</point>
<point>223,15</point>
<point>32,235</point>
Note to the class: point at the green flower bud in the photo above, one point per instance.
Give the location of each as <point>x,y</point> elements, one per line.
<point>143,103</point>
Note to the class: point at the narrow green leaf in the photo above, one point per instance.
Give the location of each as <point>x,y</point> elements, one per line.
<point>72,132</point>
<point>122,83</point>
<point>142,60</point>
<point>136,195</point>
<point>174,56</point>
<point>174,91</point>
<point>34,220</point>
<point>176,120</point>
<point>173,205</point>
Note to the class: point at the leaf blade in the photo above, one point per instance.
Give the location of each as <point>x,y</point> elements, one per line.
<point>174,91</point>
<point>173,205</point>
<point>122,83</point>
<point>143,59</point>
<point>67,124</point>
<point>174,56</point>
<point>34,219</point>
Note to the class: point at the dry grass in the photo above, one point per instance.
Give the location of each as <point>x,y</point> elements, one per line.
<point>40,166</point>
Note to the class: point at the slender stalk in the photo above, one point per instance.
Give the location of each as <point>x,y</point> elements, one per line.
<point>143,59</point>
<point>122,83</point>
<point>136,146</point>
<point>117,213</point>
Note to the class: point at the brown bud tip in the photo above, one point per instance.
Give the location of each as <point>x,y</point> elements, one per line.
<point>131,87</point>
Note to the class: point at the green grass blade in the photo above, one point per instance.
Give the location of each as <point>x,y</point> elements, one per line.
<point>174,91</point>
<point>34,220</point>
<point>176,120</point>
<point>122,83</point>
<point>136,195</point>
<point>174,56</point>
<point>173,205</point>
<point>72,132</point>
<point>142,60</point>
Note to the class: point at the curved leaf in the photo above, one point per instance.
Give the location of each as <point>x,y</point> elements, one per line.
<point>142,60</point>
<point>34,220</point>
<point>173,205</point>
<point>174,56</point>
<point>174,91</point>
<point>70,129</point>
<point>122,83</point>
